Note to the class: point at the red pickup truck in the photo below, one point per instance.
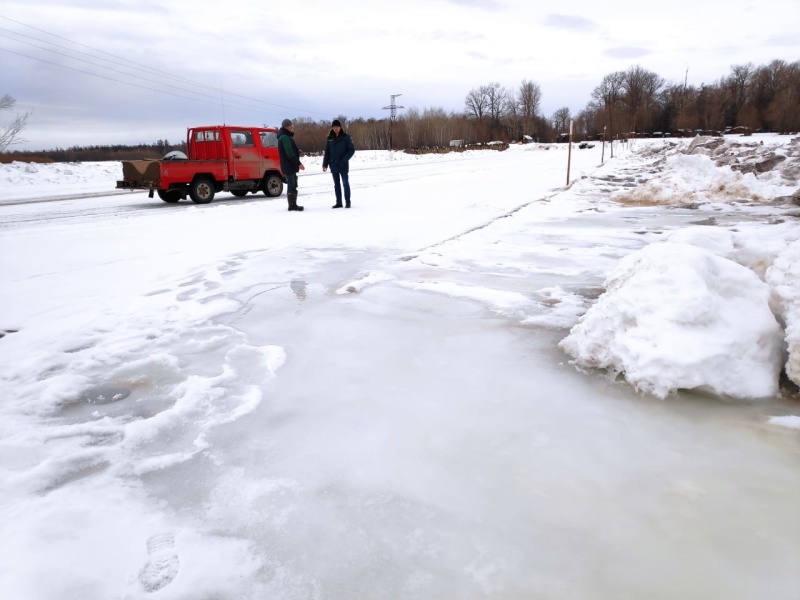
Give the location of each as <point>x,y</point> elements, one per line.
<point>221,158</point>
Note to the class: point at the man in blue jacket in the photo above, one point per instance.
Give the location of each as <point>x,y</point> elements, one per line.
<point>290,161</point>
<point>339,150</point>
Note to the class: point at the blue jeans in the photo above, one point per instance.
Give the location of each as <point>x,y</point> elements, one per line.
<point>337,186</point>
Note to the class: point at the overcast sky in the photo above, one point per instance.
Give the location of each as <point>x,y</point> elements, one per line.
<point>126,71</point>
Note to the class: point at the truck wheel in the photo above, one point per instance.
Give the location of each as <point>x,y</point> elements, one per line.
<point>201,191</point>
<point>239,193</point>
<point>171,196</point>
<point>273,185</point>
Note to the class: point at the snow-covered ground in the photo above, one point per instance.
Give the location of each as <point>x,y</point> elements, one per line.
<point>476,383</point>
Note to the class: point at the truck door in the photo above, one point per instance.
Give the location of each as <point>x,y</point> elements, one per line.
<point>269,150</point>
<point>246,156</point>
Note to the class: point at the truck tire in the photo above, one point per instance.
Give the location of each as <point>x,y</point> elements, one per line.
<point>273,185</point>
<point>239,193</point>
<point>171,196</point>
<point>201,190</point>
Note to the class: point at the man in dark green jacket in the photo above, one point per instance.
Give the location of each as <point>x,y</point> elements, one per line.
<point>339,150</point>
<point>290,161</point>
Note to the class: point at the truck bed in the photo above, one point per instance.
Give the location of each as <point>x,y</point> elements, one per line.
<point>141,173</point>
<point>159,174</point>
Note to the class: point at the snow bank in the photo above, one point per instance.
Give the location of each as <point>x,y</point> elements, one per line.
<point>696,179</point>
<point>677,316</point>
<point>35,174</point>
<point>784,280</point>
<point>717,170</point>
<point>751,249</point>
<point>775,259</point>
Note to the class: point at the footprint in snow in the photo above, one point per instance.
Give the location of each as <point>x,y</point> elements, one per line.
<point>162,562</point>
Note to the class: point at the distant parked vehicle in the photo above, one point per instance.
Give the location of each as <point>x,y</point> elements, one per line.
<point>239,160</point>
<point>585,145</point>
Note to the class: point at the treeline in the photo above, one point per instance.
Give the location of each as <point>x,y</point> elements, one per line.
<point>763,98</point>
<point>94,153</point>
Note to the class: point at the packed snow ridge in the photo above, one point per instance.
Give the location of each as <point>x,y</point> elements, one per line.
<point>707,309</point>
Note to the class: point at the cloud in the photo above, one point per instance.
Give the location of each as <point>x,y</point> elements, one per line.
<point>782,40</point>
<point>570,22</point>
<point>440,35</point>
<point>477,55</point>
<point>484,4</point>
<point>627,52</point>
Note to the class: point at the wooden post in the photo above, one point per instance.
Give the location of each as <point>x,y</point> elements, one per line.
<point>569,153</point>
<point>603,153</point>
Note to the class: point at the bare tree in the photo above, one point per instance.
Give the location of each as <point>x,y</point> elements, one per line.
<point>561,119</point>
<point>512,105</point>
<point>587,122</point>
<point>672,100</point>
<point>528,104</point>
<point>529,99</point>
<point>411,121</point>
<point>11,133</point>
<point>737,86</point>
<point>512,122</point>
<point>764,84</point>
<point>768,89</point>
<point>609,95</point>
<point>709,104</point>
<point>440,128</point>
<point>497,98</point>
<point>784,110</point>
<point>641,88</point>
<point>476,103</point>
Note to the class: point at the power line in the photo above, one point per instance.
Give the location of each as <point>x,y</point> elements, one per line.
<point>101,66</point>
<point>120,58</point>
<point>108,78</point>
<point>136,67</point>
<point>126,64</point>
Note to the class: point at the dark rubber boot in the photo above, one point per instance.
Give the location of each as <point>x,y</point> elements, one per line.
<point>292,197</point>
<point>336,206</point>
